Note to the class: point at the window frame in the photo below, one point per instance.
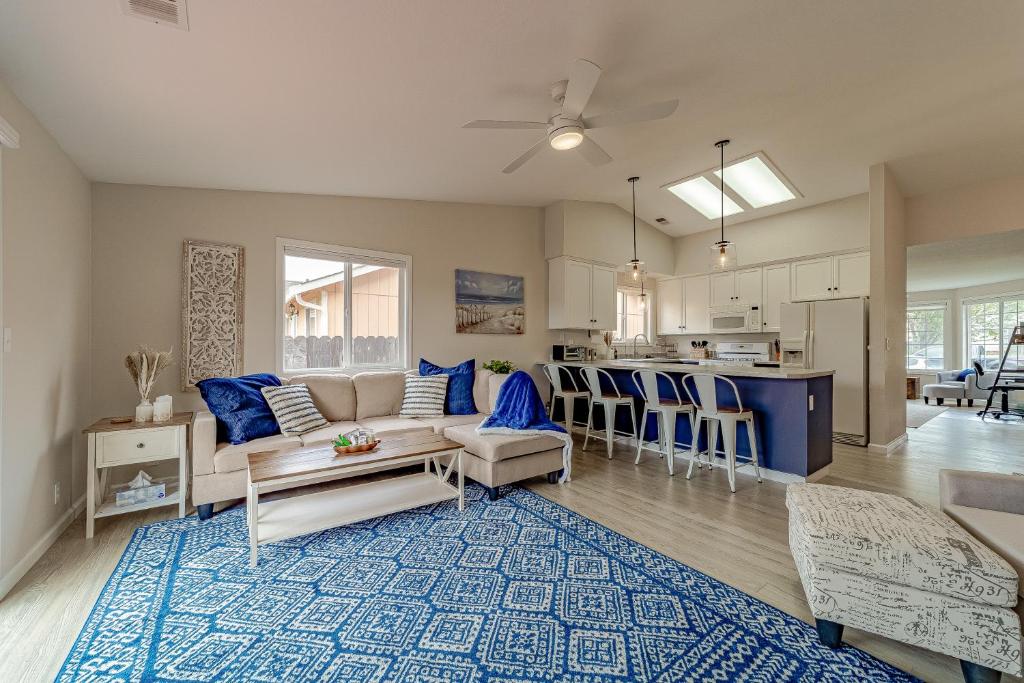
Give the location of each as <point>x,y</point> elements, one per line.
<point>946,322</point>
<point>648,314</point>
<point>1000,300</point>
<point>347,254</point>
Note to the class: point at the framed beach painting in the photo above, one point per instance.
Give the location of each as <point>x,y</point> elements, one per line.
<point>489,303</point>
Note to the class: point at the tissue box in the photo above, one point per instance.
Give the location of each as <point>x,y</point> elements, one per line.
<point>139,495</point>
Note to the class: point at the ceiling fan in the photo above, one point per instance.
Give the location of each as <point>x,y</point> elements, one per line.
<point>567,126</point>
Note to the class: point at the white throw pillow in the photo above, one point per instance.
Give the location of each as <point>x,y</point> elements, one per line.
<point>424,396</point>
<point>293,408</point>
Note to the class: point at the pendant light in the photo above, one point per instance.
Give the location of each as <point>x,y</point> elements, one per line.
<point>636,266</point>
<point>723,252</point>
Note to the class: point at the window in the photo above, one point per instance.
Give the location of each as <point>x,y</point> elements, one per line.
<point>341,308</point>
<point>632,318</point>
<point>988,325</point>
<point>926,329</point>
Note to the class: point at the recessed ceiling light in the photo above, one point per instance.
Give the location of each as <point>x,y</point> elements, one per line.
<point>703,195</point>
<point>756,182</point>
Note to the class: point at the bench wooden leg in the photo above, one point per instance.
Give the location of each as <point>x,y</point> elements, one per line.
<point>204,511</point>
<point>552,477</point>
<point>978,673</point>
<point>829,633</point>
<point>959,402</point>
<point>970,403</point>
<point>940,401</point>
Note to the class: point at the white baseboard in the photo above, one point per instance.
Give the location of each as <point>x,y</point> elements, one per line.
<point>888,448</point>
<point>11,579</point>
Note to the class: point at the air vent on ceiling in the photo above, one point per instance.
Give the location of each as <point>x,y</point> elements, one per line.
<point>661,219</point>
<point>168,12</point>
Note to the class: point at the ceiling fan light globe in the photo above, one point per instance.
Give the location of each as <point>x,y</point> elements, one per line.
<point>566,138</point>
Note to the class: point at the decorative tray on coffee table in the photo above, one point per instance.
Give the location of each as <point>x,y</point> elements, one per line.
<point>356,448</point>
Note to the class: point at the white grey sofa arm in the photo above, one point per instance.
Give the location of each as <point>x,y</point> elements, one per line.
<point>946,376</point>
<point>204,443</point>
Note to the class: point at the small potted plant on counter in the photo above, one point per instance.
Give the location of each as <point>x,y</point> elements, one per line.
<point>500,367</point>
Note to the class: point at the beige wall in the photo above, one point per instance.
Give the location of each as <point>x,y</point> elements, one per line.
<point>604,232</point>
<point>138,230</point>
<point>820,229</point>
<point>966,211</point>
<point>888,319</point>
<point>46,303</point>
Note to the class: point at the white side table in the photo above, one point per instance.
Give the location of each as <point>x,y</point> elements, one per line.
<point>112,444</point>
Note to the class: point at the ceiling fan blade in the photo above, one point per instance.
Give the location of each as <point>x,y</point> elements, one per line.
<point>593,152</point>
<point>648,112</point>
<point>506,125</point>
<point>526,156</point>
<point>582,80</point>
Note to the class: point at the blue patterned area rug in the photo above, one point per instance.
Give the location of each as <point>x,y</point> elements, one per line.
<point>517,590</point>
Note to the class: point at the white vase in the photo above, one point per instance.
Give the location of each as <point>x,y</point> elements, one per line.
<point>144,411</point>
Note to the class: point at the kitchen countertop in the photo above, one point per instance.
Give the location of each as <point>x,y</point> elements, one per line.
<point>685,365</point>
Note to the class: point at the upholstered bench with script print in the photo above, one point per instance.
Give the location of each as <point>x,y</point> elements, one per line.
<point>891,566</point>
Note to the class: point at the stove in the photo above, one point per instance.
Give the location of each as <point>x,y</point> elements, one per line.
<point>743,353</point>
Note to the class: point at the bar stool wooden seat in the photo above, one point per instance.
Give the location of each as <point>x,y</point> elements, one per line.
<point>609,401</point>
<point>706,397</point>
<point>568,391</point>
<point>666,409</point>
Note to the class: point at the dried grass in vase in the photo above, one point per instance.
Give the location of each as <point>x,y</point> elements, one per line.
<point>144,366</point>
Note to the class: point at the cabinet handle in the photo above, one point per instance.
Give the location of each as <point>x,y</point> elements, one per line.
<point>140,445</point>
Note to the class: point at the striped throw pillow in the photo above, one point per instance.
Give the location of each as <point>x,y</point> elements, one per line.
<point>424,396</point>
<point>294,409</point>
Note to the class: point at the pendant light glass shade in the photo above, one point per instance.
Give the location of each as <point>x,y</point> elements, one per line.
<point>723,252</point>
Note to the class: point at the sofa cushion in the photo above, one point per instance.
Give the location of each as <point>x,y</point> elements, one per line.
<point>394,425</point>
<point>498,447</point>
<point>333,395</point>
<point>459,392</point>
<point>378,393</point>
<point>293,408</point>
<point>897,540</point>
<point>231,457</point>
<point>324,435</point>
<point>494,383</point>
<point>439,424</point>
<point>481,390</point>
<point>424,396</point>
<point>1003,532</point>
<point>241,411</point>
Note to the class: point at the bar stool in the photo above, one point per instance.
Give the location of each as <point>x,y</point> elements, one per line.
<point>553,372</point>
<point>610,401</point>
<point>705,386</point>
<point>665,409</point>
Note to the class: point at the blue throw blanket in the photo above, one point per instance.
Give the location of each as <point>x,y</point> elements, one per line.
<point>520,410</point>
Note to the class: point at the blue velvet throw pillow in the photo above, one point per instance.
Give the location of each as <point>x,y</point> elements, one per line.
<point>458,398</point>
<point>962,377</point>
<point>241,411</point>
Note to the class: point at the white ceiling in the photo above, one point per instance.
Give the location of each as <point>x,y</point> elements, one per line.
<point>964,263</point>
<point>368,98</point>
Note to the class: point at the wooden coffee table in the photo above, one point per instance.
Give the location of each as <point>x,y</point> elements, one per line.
<point>306,513</point>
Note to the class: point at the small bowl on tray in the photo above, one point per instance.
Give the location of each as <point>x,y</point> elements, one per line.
<point>356,448</point>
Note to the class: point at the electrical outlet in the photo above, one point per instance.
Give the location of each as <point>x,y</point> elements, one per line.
<point>56,493</point>
<point>810,403</point>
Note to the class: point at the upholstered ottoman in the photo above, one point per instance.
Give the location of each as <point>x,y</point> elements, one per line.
<point>940,392</point>
<point>893,567</point>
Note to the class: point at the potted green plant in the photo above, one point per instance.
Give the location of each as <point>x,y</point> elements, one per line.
<point>500,367</point>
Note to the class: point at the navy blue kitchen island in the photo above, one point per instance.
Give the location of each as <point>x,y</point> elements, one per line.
<point>793,408</point>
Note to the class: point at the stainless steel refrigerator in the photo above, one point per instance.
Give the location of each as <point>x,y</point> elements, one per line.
<point>832,335</point>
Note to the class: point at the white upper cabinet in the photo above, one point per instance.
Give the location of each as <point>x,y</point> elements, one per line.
<point>736,287</point>
<point>696,302</point>
<point>812,279</point>
<point>748,287</point>
<point>851,275</point>
<point>581,295</point>
<point>774,293</point>
<point>670,306</point>
<point>602,292</point>
<point>831,277</point>
<point>723,289</point>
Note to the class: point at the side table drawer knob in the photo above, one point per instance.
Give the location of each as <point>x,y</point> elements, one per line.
<point>141,445</point>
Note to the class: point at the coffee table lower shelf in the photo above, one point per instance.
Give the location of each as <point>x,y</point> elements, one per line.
<point>306,514</point>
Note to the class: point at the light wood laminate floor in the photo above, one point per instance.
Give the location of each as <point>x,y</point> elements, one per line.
<point>739,538</point>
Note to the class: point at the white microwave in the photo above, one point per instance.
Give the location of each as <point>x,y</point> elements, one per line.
<point>726,319</point>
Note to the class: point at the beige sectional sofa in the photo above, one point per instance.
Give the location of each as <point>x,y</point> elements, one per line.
<point>373,400</point>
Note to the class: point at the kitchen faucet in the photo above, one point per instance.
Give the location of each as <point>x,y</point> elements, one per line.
<point>646,339</point>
